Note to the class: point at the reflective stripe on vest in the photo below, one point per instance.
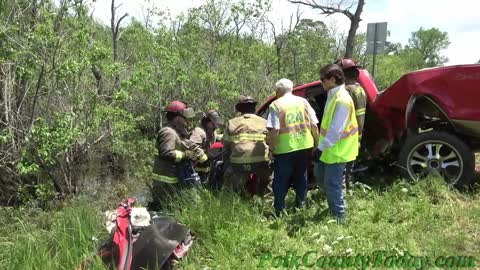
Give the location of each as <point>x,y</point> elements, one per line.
<point>346,149</point>
<point>164,178</point>
<point>247,137</point>
<point>294,128</point>
<point>179,155</point>
<point>360,111</point>
<point>203,158</point>
<point>295,125</point>
<point>352,130</point>
<point>202,169</point>
<point>248,159</point>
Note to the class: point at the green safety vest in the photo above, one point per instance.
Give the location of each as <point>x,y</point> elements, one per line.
<point>295,124</point>
<point>346,149</point>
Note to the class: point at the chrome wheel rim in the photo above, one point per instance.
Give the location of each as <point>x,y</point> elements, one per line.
<point>435,158</point>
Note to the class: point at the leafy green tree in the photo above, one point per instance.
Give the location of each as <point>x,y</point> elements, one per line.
<point>307,49</point>
<point>67,103</point>
<point>429,43</point>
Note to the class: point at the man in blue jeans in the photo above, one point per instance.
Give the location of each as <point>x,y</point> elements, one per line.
<point>338,140</point>
<point>293,132</point>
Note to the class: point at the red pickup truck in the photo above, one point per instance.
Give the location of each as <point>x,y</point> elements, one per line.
<point>429,120</point>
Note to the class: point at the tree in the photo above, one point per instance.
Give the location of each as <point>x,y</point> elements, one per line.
<point>307,48</point>
<point>114,27</point>
<point>429,44</point>
<point>280,37</point>
<point>343,7</point>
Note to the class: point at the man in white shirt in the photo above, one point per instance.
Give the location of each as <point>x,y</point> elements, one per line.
<point>338,140</point>
<point>293,132</point>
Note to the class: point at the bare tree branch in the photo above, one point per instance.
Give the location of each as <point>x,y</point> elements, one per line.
<point>114,26</point>
<point>327,10</point>
<point>119,21</point>
<point>334,8</point>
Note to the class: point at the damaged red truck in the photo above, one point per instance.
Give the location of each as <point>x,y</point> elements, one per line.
<point>429,120</point>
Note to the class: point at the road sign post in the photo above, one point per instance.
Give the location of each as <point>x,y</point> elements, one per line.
<point>376,38</point>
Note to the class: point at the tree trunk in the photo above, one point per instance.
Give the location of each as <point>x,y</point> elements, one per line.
<point>354,21</point>
<point>114,25</point>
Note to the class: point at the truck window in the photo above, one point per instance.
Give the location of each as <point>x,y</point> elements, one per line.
<point>317,98</point>
<point>265,113</point>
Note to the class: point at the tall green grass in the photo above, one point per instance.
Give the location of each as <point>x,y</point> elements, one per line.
<point>32,239</point>
<point>425,219</point>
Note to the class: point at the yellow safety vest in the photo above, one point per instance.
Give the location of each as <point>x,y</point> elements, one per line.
<point>346,149</point>
<point>295,124</point>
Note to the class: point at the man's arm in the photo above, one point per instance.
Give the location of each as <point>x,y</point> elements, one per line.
<point>335,130</point>
<point>166,146</point>
<point>226,140</point>
<point>273,126</point>
<point>313,125</point>
<point>272,138</point>
<point>314,130</point>
<point>198,136</point>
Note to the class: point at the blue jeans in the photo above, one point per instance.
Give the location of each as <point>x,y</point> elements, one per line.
<point>330,179</point>
<point>286,166</point>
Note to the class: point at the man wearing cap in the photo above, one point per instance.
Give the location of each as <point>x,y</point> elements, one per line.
<point>204,136</point>
<point>350,69</point>
<point>247,150</point>
<point>172,152</point>
<point>293,132</point>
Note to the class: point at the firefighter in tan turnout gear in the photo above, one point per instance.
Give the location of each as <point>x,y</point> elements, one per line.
<point>247,151</point>
<point>204,136</point>
<point>173,151</point>
<point>357,93</point>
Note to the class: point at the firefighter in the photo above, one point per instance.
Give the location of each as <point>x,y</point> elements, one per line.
<point>247,151</point>
<point>204,136</point>
<point>359,97</point>
<point>338,141</point>
<point>173,154</point>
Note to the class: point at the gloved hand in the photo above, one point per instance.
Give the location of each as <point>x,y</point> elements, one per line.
<point>189,154</point>
<point>316,154</point>
<point>200,156</point>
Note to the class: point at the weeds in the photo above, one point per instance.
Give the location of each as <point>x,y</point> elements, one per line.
<point>425,219</point>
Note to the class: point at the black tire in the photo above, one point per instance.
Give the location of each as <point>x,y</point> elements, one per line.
<point>417,152</point>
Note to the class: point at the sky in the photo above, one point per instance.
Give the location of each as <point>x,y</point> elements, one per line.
<point>459,18</point>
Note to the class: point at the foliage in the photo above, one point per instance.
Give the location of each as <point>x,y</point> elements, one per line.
<point>429,43</point>
<point>63,108</point>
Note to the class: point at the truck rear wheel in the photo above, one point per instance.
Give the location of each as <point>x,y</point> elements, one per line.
<point>437,153</point>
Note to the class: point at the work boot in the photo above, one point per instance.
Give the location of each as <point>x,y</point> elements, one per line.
<point>279,213</point>
<point>300,205</point>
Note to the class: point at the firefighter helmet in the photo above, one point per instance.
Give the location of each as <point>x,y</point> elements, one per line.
<point>347,63</point>
<point>180,108</point>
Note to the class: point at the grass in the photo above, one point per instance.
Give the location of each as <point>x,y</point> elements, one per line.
<point>33,239</point>
<point>424,219</point>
